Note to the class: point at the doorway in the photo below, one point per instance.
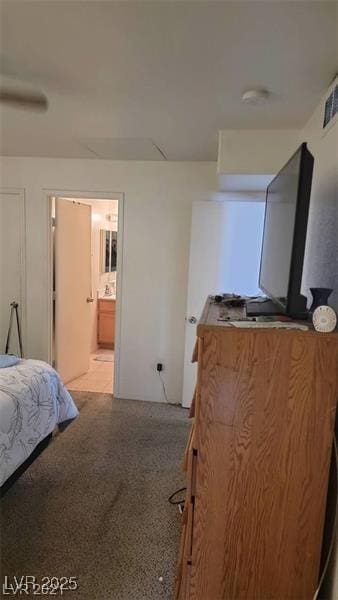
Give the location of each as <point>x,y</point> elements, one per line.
<point>225,245</point>
<point>85,278</point>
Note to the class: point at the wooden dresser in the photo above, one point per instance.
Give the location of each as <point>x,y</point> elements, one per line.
<point>257,462</point>
<point>106,323</point>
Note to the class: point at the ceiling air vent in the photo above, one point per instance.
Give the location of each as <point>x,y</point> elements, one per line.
<point>331,107</point>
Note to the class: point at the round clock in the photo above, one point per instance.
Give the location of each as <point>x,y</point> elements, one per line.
<point>324,319</point>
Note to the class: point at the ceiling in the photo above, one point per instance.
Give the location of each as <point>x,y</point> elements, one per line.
<point>155,80</point>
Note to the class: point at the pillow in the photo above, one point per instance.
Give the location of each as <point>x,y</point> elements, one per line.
<point>8,360</point>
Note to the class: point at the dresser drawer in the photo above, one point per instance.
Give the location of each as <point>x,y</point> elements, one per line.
<point>106,323</point>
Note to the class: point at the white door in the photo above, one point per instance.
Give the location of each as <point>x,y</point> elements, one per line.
<point>224,257</point>
<point>73,294</point>
<point>12,265</point>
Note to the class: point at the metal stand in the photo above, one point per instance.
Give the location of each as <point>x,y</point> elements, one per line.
<point>14,308</point>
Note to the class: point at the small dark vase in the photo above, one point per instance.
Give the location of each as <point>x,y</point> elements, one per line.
<point>320,297</point>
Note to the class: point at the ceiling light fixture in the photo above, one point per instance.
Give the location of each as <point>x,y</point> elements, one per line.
<point>254,97</point>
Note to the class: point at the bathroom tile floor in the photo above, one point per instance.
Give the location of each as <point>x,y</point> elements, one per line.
<point>100,376</point>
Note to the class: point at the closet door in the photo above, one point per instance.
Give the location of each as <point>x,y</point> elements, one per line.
<point>12,264</point>
<point>225,245</point>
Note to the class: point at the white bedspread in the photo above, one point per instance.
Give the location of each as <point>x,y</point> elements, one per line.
<point>33,401</point>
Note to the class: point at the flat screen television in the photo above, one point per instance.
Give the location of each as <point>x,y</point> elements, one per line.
<point>284,238</point>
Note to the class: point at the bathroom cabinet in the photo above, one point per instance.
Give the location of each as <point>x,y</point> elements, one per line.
<point>106,323</point>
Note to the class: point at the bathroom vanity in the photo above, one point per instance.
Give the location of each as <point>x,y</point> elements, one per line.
<point>106,322</point>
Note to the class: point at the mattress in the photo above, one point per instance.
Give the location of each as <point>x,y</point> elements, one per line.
<point>33,401</point>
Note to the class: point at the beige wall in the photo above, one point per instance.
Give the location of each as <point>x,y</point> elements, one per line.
<point>158,198</point>
<point>251,151</point>
<point>321,258</point>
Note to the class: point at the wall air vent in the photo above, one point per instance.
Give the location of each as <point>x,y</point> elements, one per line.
<point>331,107</point>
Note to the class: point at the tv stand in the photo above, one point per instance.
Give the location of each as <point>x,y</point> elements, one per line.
<point>259,308</point>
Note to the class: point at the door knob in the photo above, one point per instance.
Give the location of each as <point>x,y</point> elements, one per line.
<point>90,299</point>
<point>192,320</point>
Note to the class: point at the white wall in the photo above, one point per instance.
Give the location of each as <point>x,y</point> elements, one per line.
<point>321,257</point>
<point>259,152</point>
<point>246,154</point>
<point>157,212</point>
<point>12,281</point>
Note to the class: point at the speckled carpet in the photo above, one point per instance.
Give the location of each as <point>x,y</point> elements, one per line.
<point>94,504</point>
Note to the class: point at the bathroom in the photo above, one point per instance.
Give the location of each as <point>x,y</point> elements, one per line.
<point>104,224</point>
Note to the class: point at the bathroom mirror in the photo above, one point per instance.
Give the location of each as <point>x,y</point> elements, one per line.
<point>108,250</point>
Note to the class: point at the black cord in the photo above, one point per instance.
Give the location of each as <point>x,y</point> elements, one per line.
<point>163,386</point>
<point>165,392</point>
<point>170,499</point>
<point>334,529</point>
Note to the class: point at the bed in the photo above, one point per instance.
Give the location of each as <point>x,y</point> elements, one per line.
<point>33,401</point>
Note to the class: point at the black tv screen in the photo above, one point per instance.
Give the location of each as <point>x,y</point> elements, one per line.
<point>284,236</point>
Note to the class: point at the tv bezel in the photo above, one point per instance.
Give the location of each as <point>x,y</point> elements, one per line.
<point>295,305</point>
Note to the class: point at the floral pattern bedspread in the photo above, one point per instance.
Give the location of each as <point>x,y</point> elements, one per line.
<point>33,400</point>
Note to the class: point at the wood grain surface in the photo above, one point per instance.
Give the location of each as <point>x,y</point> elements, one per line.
<point>263,434</point>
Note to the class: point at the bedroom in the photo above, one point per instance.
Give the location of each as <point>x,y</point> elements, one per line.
<point>151,91</point>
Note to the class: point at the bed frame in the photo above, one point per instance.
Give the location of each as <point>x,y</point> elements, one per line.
<point>22,468</point>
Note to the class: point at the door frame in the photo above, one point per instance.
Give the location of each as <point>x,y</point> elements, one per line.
<point>20,192</point>
<point>50,194</point>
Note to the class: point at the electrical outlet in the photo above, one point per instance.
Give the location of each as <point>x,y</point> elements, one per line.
<point>159,367</point>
